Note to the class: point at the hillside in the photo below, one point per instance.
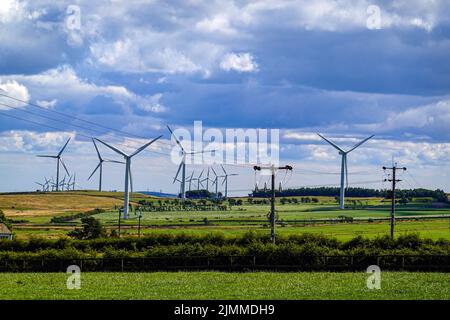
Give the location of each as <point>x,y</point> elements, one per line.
<point>55,203</point>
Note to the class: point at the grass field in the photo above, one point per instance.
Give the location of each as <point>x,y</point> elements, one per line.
<point>255,285</point>
<point>38,209</point>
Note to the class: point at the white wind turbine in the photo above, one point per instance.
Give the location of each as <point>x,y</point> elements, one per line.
<point>225,179</point>
<point>344,169</point>
<point>58,161</point>
<point>100,165</point>
<point>182,166</point>
<point>128,178</point>
<point>215,182</point>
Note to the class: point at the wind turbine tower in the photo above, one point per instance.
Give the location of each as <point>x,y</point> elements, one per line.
<point>127,158</point>
<point>344,168</point>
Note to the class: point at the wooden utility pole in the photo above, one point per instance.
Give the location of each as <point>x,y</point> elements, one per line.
<point>394,181</point>
<point>272,202</point>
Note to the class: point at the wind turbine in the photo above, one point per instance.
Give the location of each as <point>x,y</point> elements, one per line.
<point>58,161</point>
<point>215,181</point>
<point>207,180</point>
<point>182,166</point>
<point>225,179</point>
<point>344,169</point>
<point>200,181</point>
<point>42,185</point>
<point>128,178</point>
<point>100,165</point>
<point>190,180</point>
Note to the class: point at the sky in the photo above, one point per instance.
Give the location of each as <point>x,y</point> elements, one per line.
<point>123,70</point>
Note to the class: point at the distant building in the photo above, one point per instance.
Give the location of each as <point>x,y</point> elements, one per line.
<point>5,233</point>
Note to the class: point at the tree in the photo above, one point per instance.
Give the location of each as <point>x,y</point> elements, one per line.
<point>91,229</point>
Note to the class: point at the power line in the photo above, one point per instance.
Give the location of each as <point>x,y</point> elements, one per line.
<point>59,129</point>
<point>73,117</point>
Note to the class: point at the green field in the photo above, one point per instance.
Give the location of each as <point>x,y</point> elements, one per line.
<point>218,285</point>
<point>36,210</point>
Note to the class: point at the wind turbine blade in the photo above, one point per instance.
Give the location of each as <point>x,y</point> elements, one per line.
<point>233,174</point>
<point>45,156</point>
<point>178,172</point>
<point>62,150</point>
<point>360,143</point>
<point>330,142</point>
<point>113,161</point>
<point>96,149</point>
<point>98,166</point>
<point>144,146</point>
<point>65,168</point>
<point>197,152</point>
<point>214,171</point>
<point>176,140</point>
<point>223,169</point>
<point>201,173</point>
<point>112,148</point>
<point>224,179</point>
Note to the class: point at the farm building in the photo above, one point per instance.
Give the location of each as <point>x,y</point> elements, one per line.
<point>5,233</point>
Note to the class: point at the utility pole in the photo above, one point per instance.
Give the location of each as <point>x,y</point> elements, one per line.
<point>273,170</point>
<point>394,169</point>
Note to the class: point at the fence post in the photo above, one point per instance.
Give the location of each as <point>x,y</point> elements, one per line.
<point>121,263</point>
<point>403,262</point>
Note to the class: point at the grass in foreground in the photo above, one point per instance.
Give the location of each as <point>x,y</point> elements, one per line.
<point>219,285</point>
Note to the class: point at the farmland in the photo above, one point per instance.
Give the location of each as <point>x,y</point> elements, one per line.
<point>33,213</point>
<point>252,285</point>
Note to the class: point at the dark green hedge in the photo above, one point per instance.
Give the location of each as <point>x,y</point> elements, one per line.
<point>215,251</point>
<point>249,243</point>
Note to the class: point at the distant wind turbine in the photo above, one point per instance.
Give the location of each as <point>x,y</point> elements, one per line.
<point>182,166</point>
<point>128,178</point>
<point>100,165</point>
<point>344,169</point>
<point>58,161</point>
<point>225,179</point>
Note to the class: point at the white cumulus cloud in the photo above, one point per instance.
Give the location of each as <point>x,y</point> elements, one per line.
<point>14,89</point>
<point>240,62</point>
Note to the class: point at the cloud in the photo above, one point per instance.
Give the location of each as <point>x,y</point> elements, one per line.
<point>240,62</point>
<point>152,103</point>
<point>15,89</point>
<point>49,104</point>
<point>429,120</point>
<point>64,83</point>
<point>26,141</point>
<point>219,23</point>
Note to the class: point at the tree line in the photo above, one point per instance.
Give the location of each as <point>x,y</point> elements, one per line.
<point>437,195</point>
